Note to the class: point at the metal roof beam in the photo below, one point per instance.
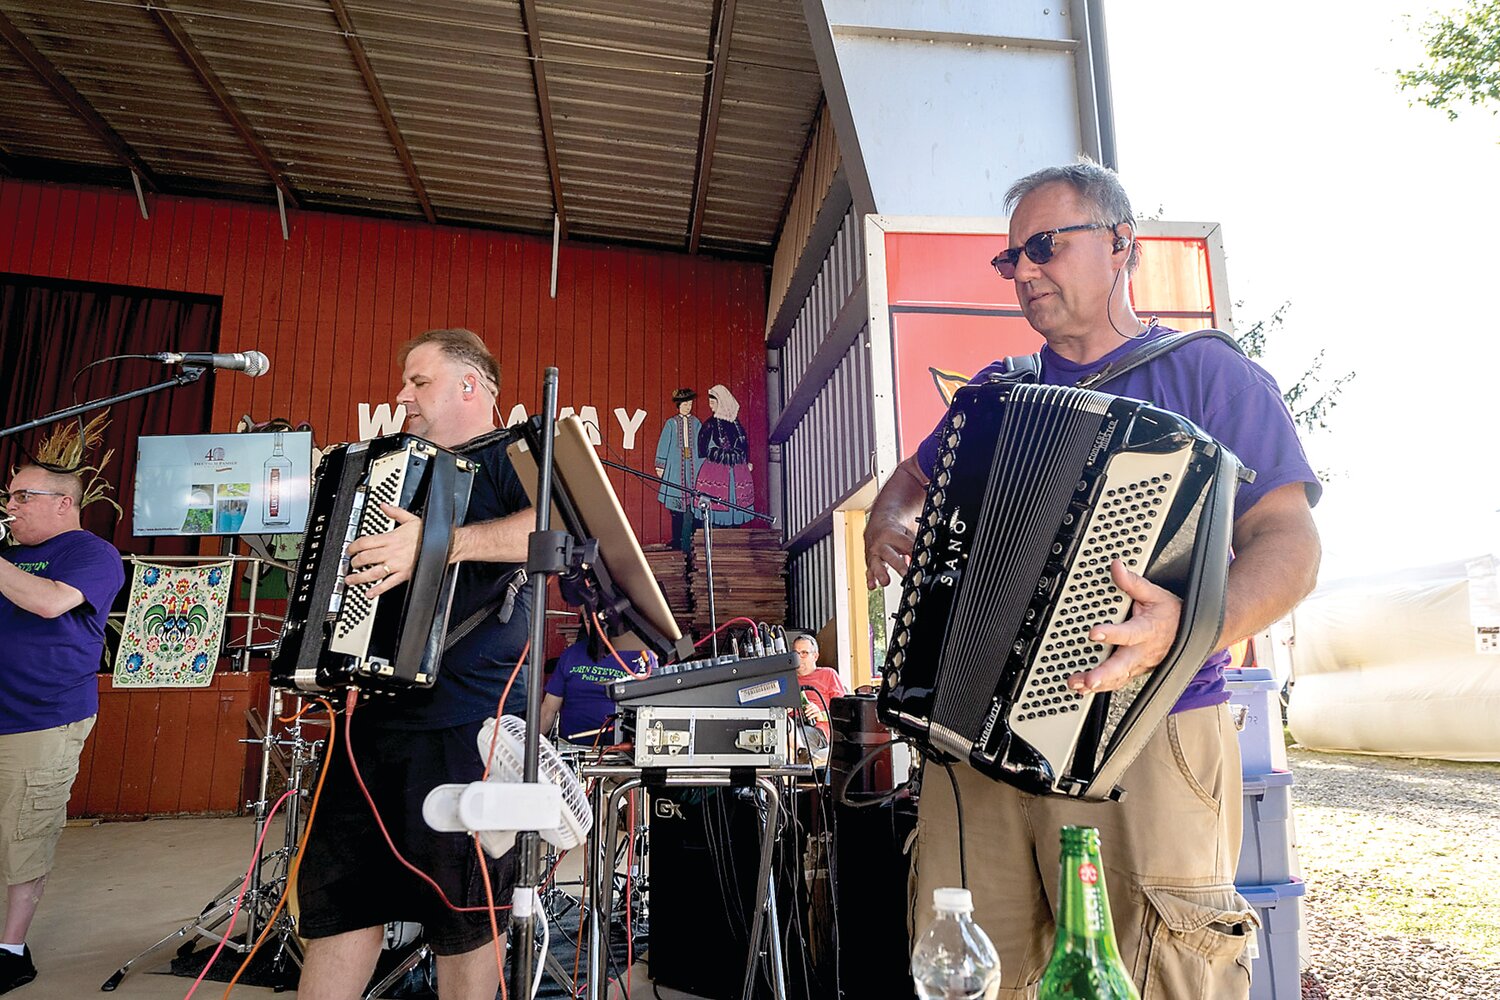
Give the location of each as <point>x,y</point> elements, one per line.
<point>708,132</point>
<point>43,68</point>
<point>215,87</point>
<point>544,108</point>
<point>357,50</point>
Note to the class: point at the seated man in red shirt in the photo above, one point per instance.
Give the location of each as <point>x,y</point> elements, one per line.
<point>820,685</point>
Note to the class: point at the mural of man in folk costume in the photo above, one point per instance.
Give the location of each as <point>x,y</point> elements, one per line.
<point>678,459</point>
<point>725,473</point>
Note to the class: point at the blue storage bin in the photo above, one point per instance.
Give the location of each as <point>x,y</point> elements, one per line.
<point>1276,973</point>
<point>1266,853</point>
<point>1262,745</point>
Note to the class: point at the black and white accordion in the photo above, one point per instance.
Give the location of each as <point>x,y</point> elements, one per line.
<point>1036,490</point>
<point>337,635</point>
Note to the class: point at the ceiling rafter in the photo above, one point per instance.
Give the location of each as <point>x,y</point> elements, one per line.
<point>544,108</point>
<point>211,82</point>
<point>357,50</point>
<point>708,131</point>
<point>42,67</point>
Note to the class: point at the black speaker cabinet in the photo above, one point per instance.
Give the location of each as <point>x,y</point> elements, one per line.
<point>705,848</point>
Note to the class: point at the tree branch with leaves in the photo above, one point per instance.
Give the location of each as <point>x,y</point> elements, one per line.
<point>1463,60</point>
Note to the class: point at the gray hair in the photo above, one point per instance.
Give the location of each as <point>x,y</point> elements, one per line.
<point>1095,184</point>
<point>807,638</point>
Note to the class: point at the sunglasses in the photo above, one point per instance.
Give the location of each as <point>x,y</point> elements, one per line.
<point>1038,249</point>
<point>24,496</point>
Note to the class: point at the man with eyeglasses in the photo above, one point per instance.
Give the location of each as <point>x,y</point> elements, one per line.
<point>1173,842</point>
<point>57,584</point>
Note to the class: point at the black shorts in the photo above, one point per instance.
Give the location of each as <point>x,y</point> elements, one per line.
<point>350,880</point>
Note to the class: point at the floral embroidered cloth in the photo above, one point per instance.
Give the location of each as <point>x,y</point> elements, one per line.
<point>173,625</point>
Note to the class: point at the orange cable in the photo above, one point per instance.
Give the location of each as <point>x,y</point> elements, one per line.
<point>296,862</point>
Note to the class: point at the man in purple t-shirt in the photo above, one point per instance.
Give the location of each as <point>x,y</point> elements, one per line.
<point>56,588</point>
<point>1171,846</point>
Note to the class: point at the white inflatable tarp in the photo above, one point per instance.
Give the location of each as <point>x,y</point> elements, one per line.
<point>1392,664</point>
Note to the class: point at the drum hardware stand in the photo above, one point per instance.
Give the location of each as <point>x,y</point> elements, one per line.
<point>260,896</point>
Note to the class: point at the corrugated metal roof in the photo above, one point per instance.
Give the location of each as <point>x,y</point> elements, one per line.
<point>232,97</point>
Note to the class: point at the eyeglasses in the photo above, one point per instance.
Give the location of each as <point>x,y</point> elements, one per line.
<point>1038,248</point>
<point>24,496</point>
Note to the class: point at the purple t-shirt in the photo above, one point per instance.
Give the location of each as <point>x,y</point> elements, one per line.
<point>1232,398</point>
<point>583,685</point>
<point>49,664</point>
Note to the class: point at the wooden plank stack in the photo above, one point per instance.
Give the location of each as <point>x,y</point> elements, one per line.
<point>669,566</point>
<point>749,577</point>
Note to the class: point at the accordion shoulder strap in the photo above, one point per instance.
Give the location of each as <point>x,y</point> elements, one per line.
<point>1028,367</point>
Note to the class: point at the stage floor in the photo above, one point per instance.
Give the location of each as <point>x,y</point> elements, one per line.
<point>120,887</point>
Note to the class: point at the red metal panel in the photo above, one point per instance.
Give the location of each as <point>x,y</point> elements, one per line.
<point>229,754</point>
<point>54,229</point>
<point>102,793</point>
<point>179,245</point>
<point>332,305</point>
<point>10,213</point>
<point>196,790</point>
<point>159,247</point>
<point>171,753</point>
<point>23,232</point>
<point>140,753</point>
<point>85,234</point>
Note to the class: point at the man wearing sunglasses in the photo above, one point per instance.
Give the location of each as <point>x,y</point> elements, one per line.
<point>56,587</point>
<point>1173,842</point>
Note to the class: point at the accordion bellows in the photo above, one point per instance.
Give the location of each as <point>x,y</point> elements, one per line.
<point>1036,491</point>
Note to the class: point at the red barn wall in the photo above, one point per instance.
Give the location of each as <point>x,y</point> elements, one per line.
<point>331,306</point>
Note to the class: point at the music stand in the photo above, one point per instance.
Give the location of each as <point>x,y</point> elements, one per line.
<point>618,585</point>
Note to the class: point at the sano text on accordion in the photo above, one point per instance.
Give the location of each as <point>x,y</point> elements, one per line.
<point>957,527</point>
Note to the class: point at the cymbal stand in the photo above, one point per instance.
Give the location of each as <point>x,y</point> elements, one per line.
<point>260,896</point>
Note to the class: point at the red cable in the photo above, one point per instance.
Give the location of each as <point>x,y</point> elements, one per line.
<point>615,653</point>
<point>349,706</point>
<point>295,864</point>
<point>239,899</point>
<point>721,628</point>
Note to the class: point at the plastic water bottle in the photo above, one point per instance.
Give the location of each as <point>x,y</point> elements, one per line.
<point>953,959</point>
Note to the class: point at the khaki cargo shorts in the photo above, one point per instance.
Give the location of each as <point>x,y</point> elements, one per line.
<point>36,777</point>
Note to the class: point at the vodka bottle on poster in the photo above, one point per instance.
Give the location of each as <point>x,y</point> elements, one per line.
<point>273,492</point>
<point>954,959</point>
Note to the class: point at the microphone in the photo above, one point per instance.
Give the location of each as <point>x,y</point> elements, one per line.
<point>252,363</point>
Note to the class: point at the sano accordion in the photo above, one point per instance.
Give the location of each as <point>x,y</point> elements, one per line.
<point>336,635</point>
<point>1036,490</point>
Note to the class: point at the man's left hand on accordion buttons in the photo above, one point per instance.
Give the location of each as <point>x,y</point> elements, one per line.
<point>1141,641</point>
<point>385,560</point>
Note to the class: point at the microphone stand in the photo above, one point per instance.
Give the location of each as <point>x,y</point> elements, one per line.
<point>548,554</point>
<point>188,375</point>
<point>702,502</point>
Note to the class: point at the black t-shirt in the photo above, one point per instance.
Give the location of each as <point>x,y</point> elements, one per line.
<point>474,671</point>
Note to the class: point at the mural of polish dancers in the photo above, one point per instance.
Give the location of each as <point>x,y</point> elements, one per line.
<point>726,468</point>
<point>678,459</point>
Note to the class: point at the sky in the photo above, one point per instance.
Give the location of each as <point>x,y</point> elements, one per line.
<point>1379,222</point>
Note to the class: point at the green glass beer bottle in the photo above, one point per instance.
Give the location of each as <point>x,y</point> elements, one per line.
<point>1085,962</point>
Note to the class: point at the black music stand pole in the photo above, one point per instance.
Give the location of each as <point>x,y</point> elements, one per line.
<point>547,556</point>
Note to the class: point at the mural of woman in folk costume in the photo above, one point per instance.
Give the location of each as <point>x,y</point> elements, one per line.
<point>726,453</point>
<point>677,461</point>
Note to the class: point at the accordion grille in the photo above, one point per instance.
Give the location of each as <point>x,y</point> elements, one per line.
<point>1044,438</point>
